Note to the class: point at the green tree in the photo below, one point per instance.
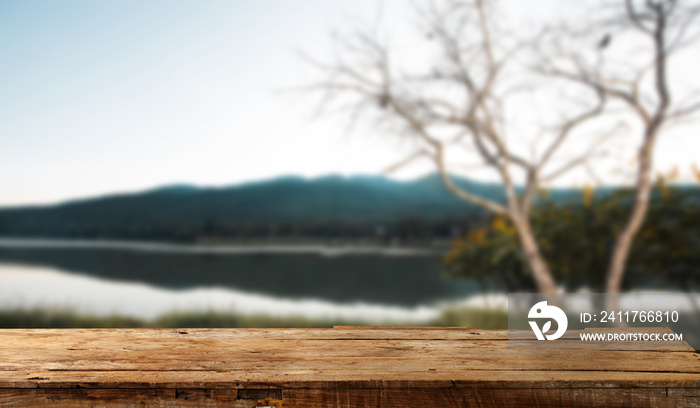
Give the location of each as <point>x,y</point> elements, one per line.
<point>578,237</point>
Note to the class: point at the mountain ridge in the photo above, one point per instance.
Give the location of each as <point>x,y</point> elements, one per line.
<point>314,206</point>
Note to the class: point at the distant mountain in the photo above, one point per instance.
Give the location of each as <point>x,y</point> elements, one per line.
<point>290,200</point>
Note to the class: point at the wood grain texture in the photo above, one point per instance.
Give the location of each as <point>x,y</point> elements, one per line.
<point>489,398</point>
<point>344,366</point>
<point>120,398</point>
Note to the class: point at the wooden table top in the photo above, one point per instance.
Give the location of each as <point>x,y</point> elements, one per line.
<point>343,366</point>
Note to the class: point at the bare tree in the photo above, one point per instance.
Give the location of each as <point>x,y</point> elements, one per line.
<point>640,83</point>
<point>456,103</point>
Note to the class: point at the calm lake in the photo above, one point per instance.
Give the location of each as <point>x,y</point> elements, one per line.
<point>145,279</point>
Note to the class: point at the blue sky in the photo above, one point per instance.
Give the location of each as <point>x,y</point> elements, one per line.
<point>113,96</point>
<point>104,96</point>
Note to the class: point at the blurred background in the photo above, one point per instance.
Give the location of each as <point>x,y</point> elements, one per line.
<point>267,164</point>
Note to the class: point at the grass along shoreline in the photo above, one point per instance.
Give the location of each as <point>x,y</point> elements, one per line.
<point>67,318</point>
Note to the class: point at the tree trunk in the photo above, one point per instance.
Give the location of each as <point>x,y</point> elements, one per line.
<point>623,244</point>
<point>540,271</point>
<point>625,238</point>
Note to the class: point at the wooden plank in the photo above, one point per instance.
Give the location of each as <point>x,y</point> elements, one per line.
<point>571,340</point>
<point>69,398</point>
<point>690,393</point>
<point>432,334</point>
<point>405,379</point>
<point>370,333</point>
<point>348,398</point>
<point>488,398</point>
<point>160,351</point>
<point>339,333</point>
<point>345,366</point>
<point>300,358</point>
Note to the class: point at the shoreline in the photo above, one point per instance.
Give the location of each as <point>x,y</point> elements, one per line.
<point>322,249</point>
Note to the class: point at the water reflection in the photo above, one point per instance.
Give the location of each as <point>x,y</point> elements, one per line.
<point>399,277</point>
<point>40,287</point>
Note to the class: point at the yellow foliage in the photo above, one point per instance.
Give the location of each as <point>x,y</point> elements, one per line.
<point>477,236</point>
<point>460,245</point>
<point>673,174</point>
<point>696,172</point>
<point>501,225</point>
<point>661,184</point>
<point>587,193</point>
<point>455,251</point>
